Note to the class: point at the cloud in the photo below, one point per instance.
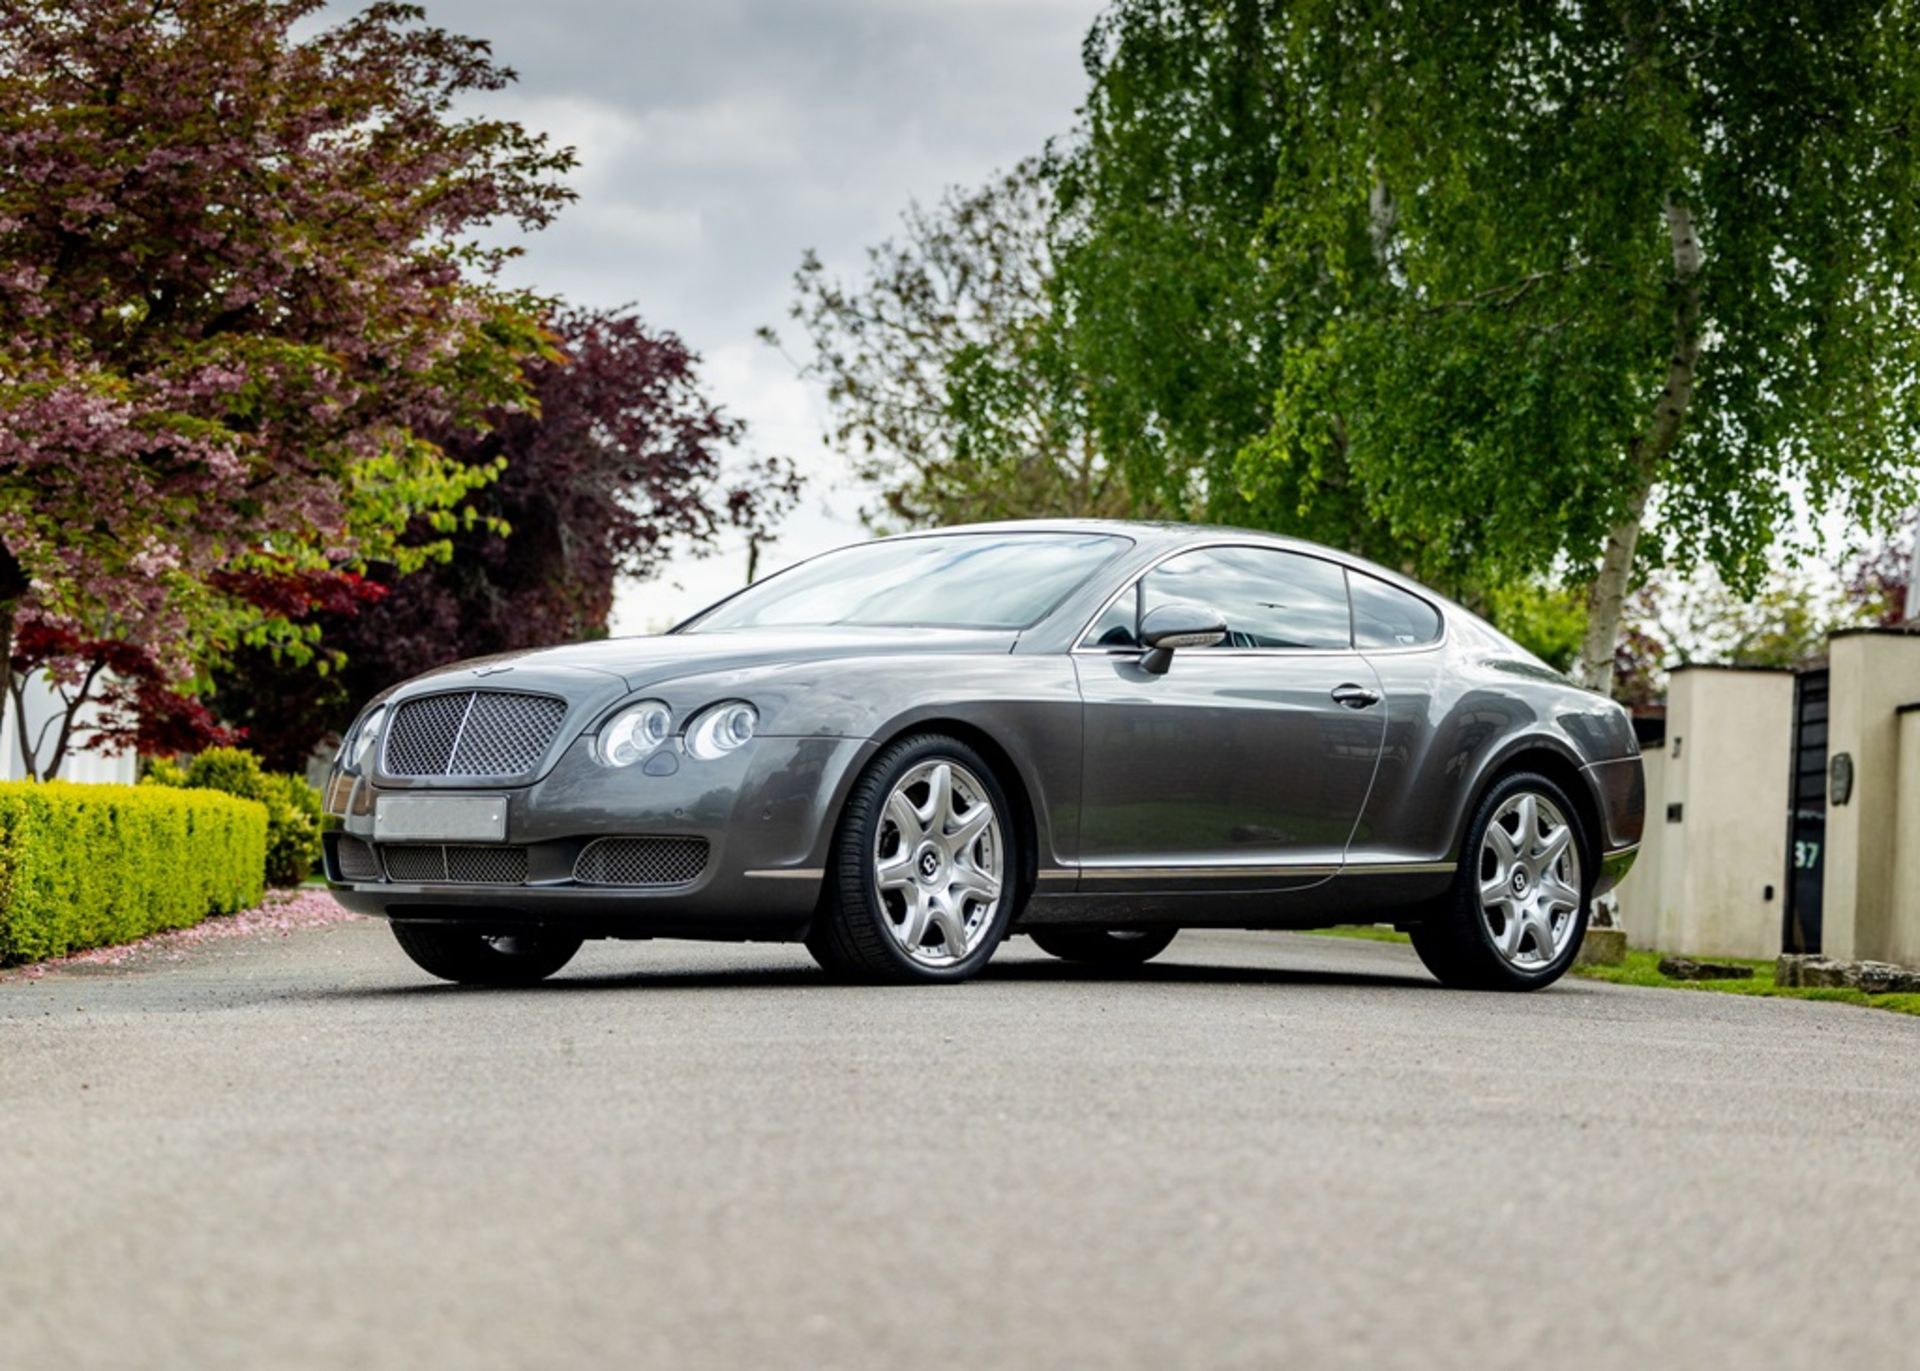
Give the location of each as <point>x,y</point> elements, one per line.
<point>720,139</point>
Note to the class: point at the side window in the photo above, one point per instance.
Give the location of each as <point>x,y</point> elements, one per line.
<point>1268,598</point>
<point>1116,627</point>
<point>1384,616</point>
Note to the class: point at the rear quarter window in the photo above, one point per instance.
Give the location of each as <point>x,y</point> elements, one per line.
<point>1386,616</point>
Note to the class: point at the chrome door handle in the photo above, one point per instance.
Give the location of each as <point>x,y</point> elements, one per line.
<point>1356,696</point>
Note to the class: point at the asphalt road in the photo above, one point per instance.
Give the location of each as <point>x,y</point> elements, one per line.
<point>1263,1151</point>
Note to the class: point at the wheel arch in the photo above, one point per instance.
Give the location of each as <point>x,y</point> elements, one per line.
<point>1005,770</point>
<point>1542,757</point>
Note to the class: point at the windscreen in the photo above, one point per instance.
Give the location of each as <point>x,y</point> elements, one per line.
<point>952,580</point>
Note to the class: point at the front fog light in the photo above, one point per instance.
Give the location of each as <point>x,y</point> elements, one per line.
<point>634,732</point>
<point>721,730</point>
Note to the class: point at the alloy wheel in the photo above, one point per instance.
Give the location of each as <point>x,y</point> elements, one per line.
<point>1529,881</point>
<point>939,862</point>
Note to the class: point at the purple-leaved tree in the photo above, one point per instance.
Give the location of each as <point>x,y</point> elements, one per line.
<point>624,463</point>
<point>237,287</point>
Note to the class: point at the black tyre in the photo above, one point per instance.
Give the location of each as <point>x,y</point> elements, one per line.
<point>924,868</point>
<point>471,958</point>
<point>1104,946</point>
<point>1518,908</point>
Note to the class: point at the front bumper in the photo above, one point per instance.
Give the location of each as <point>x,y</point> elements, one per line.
<point>765,813</point>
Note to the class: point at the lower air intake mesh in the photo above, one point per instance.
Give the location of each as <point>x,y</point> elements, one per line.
<point>421,864</point>
<point>641,861</point>
<point>355,860</point>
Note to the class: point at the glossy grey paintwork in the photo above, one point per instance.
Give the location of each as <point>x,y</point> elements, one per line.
<point>1242,761</point>
<point>1232,760</point>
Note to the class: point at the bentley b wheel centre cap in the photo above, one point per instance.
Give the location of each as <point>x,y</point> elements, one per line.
<point>938,862</point>
<point>1529,881</point>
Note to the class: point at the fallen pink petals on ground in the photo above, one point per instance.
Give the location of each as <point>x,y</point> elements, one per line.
<point>282,912</point>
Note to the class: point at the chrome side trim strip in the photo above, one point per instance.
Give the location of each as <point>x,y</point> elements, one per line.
<point>1200,869</point>
<point>1399,868</point>
<point>787,873</point>
<point>1205,870</point>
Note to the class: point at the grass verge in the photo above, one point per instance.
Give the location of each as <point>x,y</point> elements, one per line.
<point>1643,968</point>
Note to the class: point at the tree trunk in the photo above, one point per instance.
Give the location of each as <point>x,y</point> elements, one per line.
<point>13,588</point>
<point>1607,595</point>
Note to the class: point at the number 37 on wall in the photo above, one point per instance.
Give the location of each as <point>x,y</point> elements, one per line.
<point>1806,856</point>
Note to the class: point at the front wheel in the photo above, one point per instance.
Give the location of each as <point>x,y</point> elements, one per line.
<point>1518,908</point>
<point>922,880</point>
<point>471,958</point>
<point>1104,946</point>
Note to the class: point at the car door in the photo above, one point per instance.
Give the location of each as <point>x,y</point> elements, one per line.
<point>1246,765</point>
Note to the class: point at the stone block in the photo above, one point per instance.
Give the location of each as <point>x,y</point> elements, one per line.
<point>1884,978</point>
<point>1603,947</point>
<point>1697,969</point>
<point>1824,973</point>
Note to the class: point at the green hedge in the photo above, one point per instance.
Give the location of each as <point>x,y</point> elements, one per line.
<point>293,806</point>
<point>87,865</point>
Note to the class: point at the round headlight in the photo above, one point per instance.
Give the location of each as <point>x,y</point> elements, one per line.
<point>721,729</point>
<point>365,738</point>
<point>634,733</point>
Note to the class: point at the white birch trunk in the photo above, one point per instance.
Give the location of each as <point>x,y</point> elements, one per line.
<point>1607,595</point>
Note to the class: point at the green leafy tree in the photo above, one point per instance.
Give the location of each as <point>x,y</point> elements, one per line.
<point>1590,261</point>
<point>1516,281</point>
<point>1548,620</point>
<point>1176,317</point>
<point>945,369</point>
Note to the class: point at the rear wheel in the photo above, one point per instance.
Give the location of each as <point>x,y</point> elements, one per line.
<point>922,880</point>
<point>1518,908</point>
<point>1104,946</point>
<point>473,958</point>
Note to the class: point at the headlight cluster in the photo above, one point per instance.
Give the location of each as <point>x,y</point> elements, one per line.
<point>639,730</point>
<point>363,740</point>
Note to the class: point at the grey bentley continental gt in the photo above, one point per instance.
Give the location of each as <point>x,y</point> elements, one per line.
<point>1094,734</point>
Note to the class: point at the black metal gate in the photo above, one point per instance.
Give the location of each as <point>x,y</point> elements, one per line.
<point>1807,815</point>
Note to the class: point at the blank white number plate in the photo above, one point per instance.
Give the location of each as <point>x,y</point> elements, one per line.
<point>440,818</point>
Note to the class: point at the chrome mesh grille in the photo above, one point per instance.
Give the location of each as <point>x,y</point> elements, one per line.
<point>506,734</point>
<point>426,863</point>
<point>472,733</point>
<point>420,739</point>
<point>355,860</point>
<point>641,861</point>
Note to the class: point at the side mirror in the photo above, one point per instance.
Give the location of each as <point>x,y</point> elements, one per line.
<point>1166,627</point>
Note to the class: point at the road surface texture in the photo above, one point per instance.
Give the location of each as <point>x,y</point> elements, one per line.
<point>1262,1151</point>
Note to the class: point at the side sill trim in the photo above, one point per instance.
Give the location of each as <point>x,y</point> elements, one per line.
<point>1399,868</point>
<point>787,873</point>
<point>1206,870</point>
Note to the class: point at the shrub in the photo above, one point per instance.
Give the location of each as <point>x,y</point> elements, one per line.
<point>87,865</point>
<point>293,806</point>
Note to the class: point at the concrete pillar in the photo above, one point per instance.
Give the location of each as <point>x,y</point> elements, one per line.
<point>1722,812</point>
<point>1905,947</point>
<point>1874,671</point>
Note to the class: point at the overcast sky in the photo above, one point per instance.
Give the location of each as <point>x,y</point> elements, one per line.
<point>719,139</point>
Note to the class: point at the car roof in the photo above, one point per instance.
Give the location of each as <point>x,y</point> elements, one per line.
<point>1160,535</point>
<point>1157,537</point>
